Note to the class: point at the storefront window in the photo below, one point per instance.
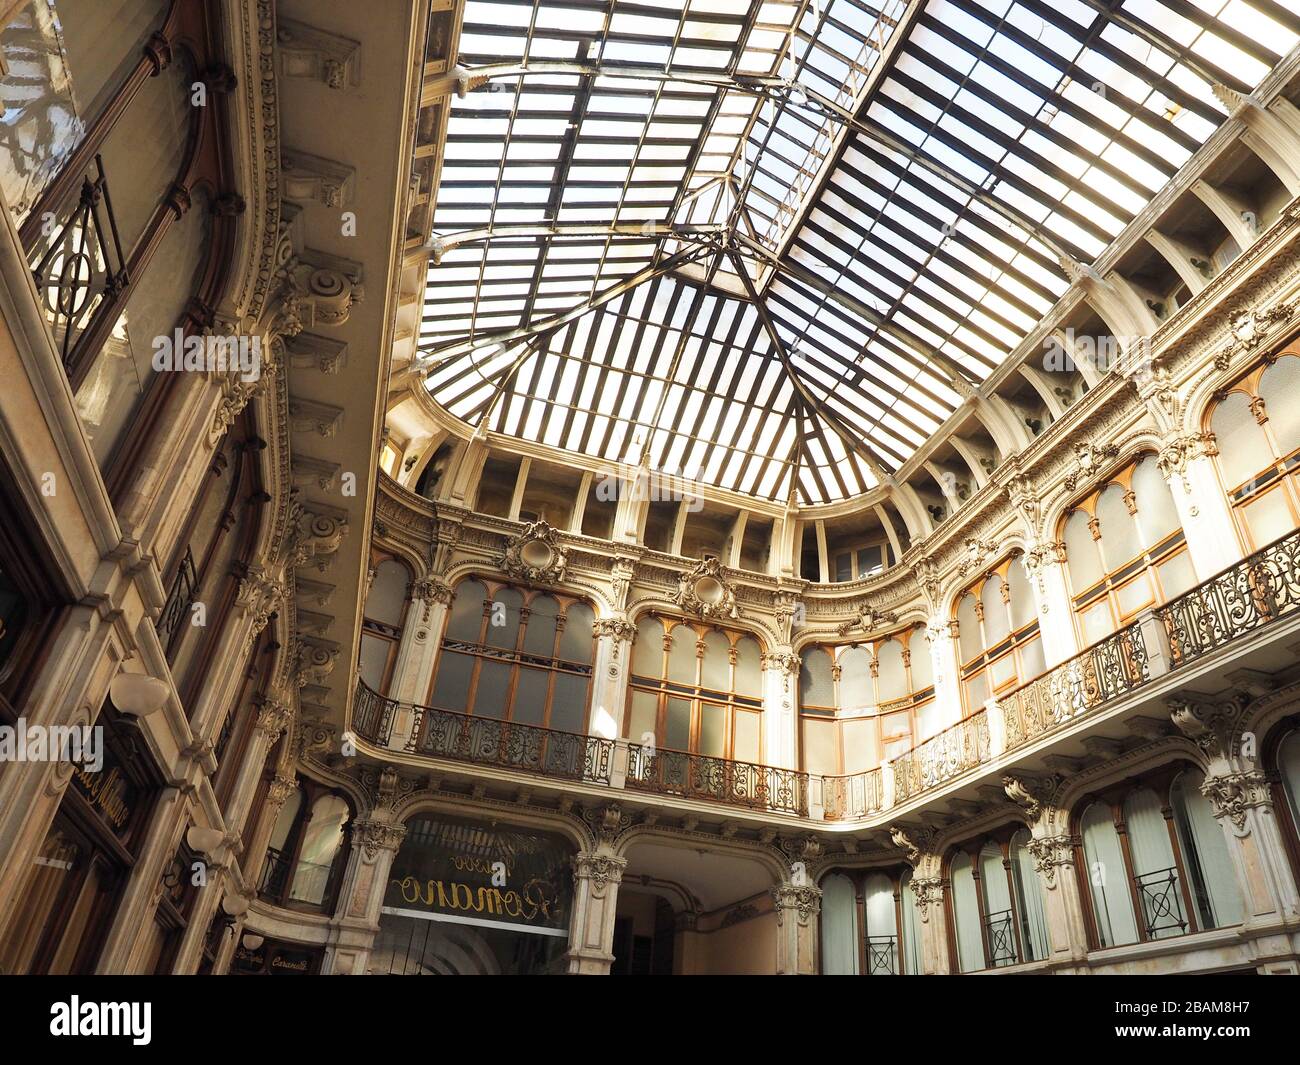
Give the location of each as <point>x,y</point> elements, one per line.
<point>465,898</point>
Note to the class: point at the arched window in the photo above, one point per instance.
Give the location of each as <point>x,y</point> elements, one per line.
<point>863,914</point>
<point>1155,861</point>
<point>381,626</point>
<point>863,703</point>
<point>998,914</point>
<point>1125,550</point>
<point>696,688</point>
<point>516,654</point>
<point>997,634</point>
<point>1256,426</point>
<point>307,850</point>
<point>1285,755</point>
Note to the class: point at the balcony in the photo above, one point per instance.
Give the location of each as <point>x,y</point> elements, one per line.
<point>1255,593</point>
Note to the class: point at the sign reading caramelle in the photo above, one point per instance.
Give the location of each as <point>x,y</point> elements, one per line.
<point>463,870</point>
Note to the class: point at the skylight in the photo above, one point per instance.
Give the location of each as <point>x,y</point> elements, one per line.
<point>896,182</point>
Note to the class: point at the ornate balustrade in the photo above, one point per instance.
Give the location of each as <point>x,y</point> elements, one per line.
<point>1256,591</point>
<point>485,740</point>
<point>1076,687</point>
<point>943,756</point>
<point>698,776</point>
<point>852,796</point>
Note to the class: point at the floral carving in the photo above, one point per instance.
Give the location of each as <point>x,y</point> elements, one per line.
<point>535,555</point>
<point>706,591</point>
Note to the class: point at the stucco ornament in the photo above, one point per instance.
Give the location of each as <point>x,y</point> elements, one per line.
<point>706,591</point>
<point>535,555</point>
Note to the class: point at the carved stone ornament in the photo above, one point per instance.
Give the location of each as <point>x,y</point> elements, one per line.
<point>1179,450</point>
<point>618,628</point>
<point>1248,333</point>
<point>866,618</point>
<point>977,553</point>
<point>600,869</point>
<point>1090,461</point>
<point>1051,853</point>
<point>279,790</point>
<point>913,841</point>
<point>1030,794</point>
<point>273,717</point>
<point>928,892</point>
<point>786,662</point>
<point>706,591</point>
<point>535,555</point>
<point>259,595</point>
<point>374,836</point>
<point>313,537</point>
<point>1233,794</point>
<point>607,821</point>
<point>1210,725</point>
<point>803,899</point>
<point>314,662</point>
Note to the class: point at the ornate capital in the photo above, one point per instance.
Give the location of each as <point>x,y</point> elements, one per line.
<point>1051,853</point>
<point>1212,726</point>
<point>374,836</point>
<point>1090,460</point>
<point>1249,332</point>
<point>1233,794</point>
<point>786,662</point>
<point>619,628</point>
<point>803,900</point>
<point>535,555</point>
<point>601,870</point>
<point>928,892</point>
<point>259,596</point>
<point>1181,449</point>
<point>977,553</point>
<point>706,591</point>
<point>606,821</point>
<point>279,790</point>
<point>273,717</point>
<point>1031,794</point>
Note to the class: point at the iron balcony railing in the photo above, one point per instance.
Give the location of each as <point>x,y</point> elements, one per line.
<point>1254,593</point>
<point>700,776</point>
<point>882,955</point>
<point>484,740</point>
<point>1000,939</point>
<point>1162,903</point>
<point>943,756</point>
<point>1110,668</point>
<point>180,598</point>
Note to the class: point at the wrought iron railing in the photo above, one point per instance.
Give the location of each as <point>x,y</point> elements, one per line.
<point>275,874</point>
<point>180,598</point>
<point>1256,591</point>
<point>1162,903</point>
<point>882,955</point>
<point>1000,938</point>
<point>852,796</point>
<point>1079,685</point>
<point>484,740</point>
<point>79,266</point>
<point>942,757</point>
<point>700,776</point>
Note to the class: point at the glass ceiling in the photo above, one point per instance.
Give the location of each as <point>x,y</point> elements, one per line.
<point>771,246</point>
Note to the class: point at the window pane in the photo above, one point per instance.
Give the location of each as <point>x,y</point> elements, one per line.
<point>387,597</point>
<point>539,633</point>
<point>815,687</point>
<point>677,727</point>
<point>493,689</point>
<point>530,696</point>
<point>503,618</point>
<point>748,729</point>
<point>1119,532</point>
<point>856,688</point>
<point>569,707</point>
<point>451,688</point>
<point>682,659</point>
<point>996,619</point>
<point>1243,448</point>
<point>373,660</point>
<point>1268,517</point>
<point>576,639</point>
<point>1022,595</point>
<point>968,628</point>
<point>1280,385</point>
<point>715,668</point>
<point>749,667</point>
<point>648,649</point>
<point>1082,558</point>
<point>466,618</point>
<point>713,730</point>
<point>1156,511</point>
<point>641,722</point>
<point>892,678</point>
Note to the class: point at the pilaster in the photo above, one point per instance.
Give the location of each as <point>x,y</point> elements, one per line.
<point>595,896</point>
<point>798,907</point>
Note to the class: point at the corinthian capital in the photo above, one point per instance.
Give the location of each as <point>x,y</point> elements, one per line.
<point>273,717</point>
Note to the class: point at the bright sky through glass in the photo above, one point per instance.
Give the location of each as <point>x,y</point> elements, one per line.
<point>923,243</point>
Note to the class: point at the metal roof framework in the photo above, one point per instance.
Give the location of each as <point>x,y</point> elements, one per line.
<point>772,245</point>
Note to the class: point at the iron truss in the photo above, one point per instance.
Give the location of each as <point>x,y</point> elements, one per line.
<point>775,245</point>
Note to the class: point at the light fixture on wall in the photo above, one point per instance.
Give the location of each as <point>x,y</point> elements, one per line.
<point>252,940</point>
<point>204,840</point>
<point>234,906</point>
<point>138,694</point>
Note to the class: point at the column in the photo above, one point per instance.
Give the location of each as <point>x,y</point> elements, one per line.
<point>595,896</point>
<point>273,717</point>
<point>255,855</point>
<point>1187,461</point>
<point>375,844</point>
<point>614,638</point>
<point>929,890</point>
<point>1045,564</point>
<point>941,636</point>
<point>797,910</point>
<point>417,654</point>
<point>780,717</point>
<point>1062,900</point>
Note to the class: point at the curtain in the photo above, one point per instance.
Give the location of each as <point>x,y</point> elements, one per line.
<point>882,923</point>
<point>1107,878</point>
<point>966,916</point>
<point>1154,864</point>
<point>1288,767</point>
<point>1029,891</point>
<point>839,921</point>
<point>1206,851</point>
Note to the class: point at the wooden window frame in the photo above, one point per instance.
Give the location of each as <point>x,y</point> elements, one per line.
<point>858,878</point>
<point>481,651</point>
<point>973,848</point>
<point>732,701</point>
<point>311,791</point>
<point>1013,643</point>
